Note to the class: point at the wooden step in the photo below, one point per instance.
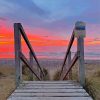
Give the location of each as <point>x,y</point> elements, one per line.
<point>49,90</point>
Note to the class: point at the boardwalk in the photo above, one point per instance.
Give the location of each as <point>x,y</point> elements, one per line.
<point>49,90</point>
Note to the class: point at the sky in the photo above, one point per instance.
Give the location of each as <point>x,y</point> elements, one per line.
<point>49,25</point>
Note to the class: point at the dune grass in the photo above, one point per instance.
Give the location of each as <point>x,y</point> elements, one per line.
<point>27,74</point>
<point>92,85</point>
<point>7,79</point>
<point>47,75</point>
<point>89,87</point>
<point>92,81</point>
<point>57,75</point>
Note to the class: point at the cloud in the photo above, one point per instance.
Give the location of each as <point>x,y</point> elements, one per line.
<point>26,12</point>
<point>3,19</point>
<point>50,23</point>
<point>97,39</point>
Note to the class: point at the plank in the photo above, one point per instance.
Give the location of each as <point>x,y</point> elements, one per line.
<point>49,82</point>
<point>46,84</point>
<point>79,94</point>
<point>50,90</point>
<point>50,98</point>
<point>50,87</point>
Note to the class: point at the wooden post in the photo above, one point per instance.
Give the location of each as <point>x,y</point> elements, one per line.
<point>31,63</point>
<point>80,41</point>
<point>17,40</point>
<point>69,62</point>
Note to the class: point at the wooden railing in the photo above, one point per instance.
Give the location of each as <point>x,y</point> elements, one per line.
<point>19,56</point>
<point>79,33</point>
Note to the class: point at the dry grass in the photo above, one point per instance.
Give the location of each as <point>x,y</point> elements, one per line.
<point>89,87</point>
<point>57,75</point>
<point>92,79</point>
<point>7,84</point>
<point>7,78</point>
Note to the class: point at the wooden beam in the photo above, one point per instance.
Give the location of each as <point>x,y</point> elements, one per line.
<point>17,45</point>
<point>69,62</point>
<point>24,59</point>
<point>68,50</point>
<point>80,47</point>
<point>29,46</point>
<point>31,63</point>
<point>72,63</point>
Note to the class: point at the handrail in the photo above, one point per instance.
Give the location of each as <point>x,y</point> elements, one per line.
<point>29,46</point>
<point>75,58</point>
<point>79,33</point>
<point>18,32</point>
<point>24,59</point>
<point>68,50</point>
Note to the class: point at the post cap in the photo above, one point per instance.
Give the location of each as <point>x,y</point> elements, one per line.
<point>80,29</point>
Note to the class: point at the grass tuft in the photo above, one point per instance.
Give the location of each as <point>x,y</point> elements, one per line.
<point>46,72</point>
<point>26,73</point>
<point>89,87</point>
<point>1,74</point>
<point>57,75</point>
<point>97,73</point>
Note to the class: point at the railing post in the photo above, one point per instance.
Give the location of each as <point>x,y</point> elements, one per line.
<point>69,62</point>
<point>17,40</point>
<point>81,61</point>
<point>80,33</point>
<point>31,63</point>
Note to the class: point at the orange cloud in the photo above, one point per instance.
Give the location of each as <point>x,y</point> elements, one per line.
<point>37,41</point>
<point>91,41</point>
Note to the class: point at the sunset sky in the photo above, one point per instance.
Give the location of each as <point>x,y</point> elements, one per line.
<point>49,25</point>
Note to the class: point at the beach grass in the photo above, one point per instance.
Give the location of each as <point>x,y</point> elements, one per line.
<point>92,76</point>
<point>7,79</point>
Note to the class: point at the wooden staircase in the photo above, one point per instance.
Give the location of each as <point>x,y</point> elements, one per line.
<point>49,90</point>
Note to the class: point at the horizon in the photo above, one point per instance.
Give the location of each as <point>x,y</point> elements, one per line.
<point>49,25</point>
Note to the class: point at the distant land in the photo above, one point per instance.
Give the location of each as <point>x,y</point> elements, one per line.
<point>44,62</point>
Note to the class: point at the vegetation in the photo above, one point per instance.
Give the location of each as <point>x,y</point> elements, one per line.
<point>26,73</point>
<point>97,73</point>
<point>92,79</point>
<point>47,76</point>
<point>57,75</point>
<point>7,83</point>
<point>89,87</point>
<point>1,74</point>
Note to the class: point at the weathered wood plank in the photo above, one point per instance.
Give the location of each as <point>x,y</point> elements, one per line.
<point>17,43</point>
<point>51,94</point>
<point>80,47</point>
<point>69,62</point>
<point>73,61</point>
<point>68,50</point>
<point>50,82</point>
<point>50,98</point>
<point>29,45</point>
<point>50,90</point>
<point>45,84</point>
<point>24,59</point>
<point>49,87</point>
